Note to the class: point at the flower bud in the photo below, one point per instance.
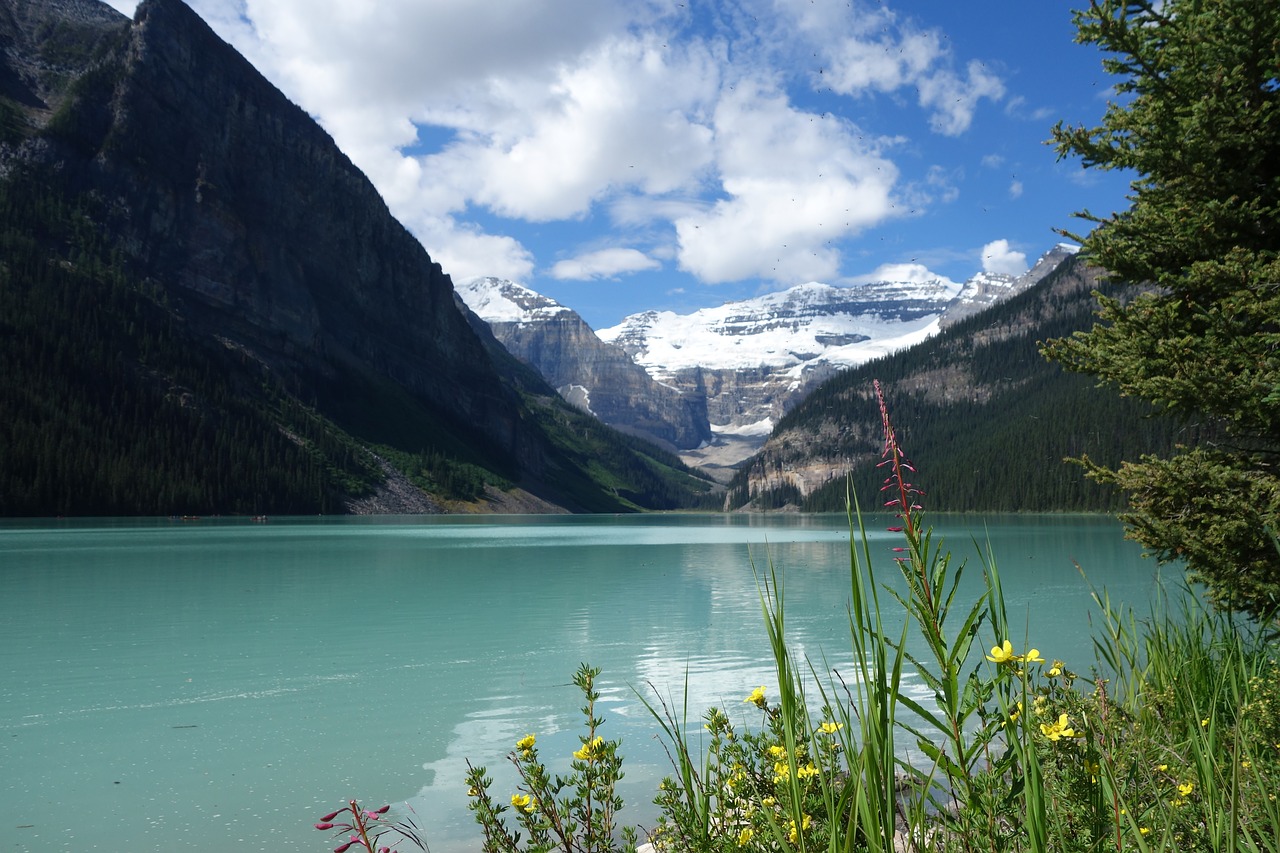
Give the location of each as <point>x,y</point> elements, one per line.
<point>324,825</point>
<point>332,815</point>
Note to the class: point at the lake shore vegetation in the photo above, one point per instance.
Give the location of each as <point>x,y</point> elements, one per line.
<point>1168,740</point>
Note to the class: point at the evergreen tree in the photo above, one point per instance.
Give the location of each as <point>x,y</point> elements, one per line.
<point>1197,119</point>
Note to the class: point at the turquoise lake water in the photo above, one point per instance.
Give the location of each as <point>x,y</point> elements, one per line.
<point>219,684</point>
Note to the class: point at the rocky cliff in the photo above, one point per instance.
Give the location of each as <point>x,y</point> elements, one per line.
<point>243,208</point>
<point>986,419</point>
<point>595,376</point>
<point>232,219</point>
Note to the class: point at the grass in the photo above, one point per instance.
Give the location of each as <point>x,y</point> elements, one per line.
<point>1170,741</point>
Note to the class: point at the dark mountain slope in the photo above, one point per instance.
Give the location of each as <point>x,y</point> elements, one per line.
<point>155,184</point>
<point>985,417</point>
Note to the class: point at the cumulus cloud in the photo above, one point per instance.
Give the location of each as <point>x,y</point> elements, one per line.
<point>792,183</point>
<point>909,273</point>
<point>1015,189</point>
<point>685,133</point>
<point>999,257</point>
<point>873,51</point>
<point>605,263</point>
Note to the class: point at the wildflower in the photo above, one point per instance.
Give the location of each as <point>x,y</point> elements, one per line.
<point>522,801</point>
<point>1144,830</point>
<point>589,750</point>
<point>1162,767</point>
<point>829,728</point>
<point>1002,653</point>
<point>1062,728</point>
<point>793,832</point>
<point>1246,764</point>
<point>1186,788</point>
<point>1033,656</point>
<point>1204,722</point>
<point>1056,669</point>
<point>781,772</point>
<point>777,752</point>
<point>807,772</point>
<point>757,698</point>
<point>744,837</point>
<point>769,801</point>
<point>526,743</point>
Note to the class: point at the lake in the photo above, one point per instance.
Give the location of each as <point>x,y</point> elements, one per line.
<point>219,684</point>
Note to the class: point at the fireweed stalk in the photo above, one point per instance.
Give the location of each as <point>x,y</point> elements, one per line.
<point>366,828</point>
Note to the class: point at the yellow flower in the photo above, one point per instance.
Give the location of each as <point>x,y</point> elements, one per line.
<point>757,698</point>
<point>1033,656</point>
<point>525,743</point>
<point>1246,764</point>
<point>1162,767</point>
<point>1062,728</point>
<point>776,752</point>
<point>781,772</point>
<point>523,801</point>
<point>793,834</point>
<point>1056,669</point>
<point>769,801</point>
<point>806,772</point>
<point>589,750</point>
<point>829,728</point>
<point>1204,722</point>
<point>1002,653</point>
<point>1144,830</point>
<point>1186,788</point>
<point>744,837</point>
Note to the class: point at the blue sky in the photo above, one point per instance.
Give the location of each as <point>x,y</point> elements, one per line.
<point>625,155</point>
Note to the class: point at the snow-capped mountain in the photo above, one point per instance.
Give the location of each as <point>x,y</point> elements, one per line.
<point>589,373</point>
<point>788,329</point>
<point>743,364</point>
<point>986,289</point>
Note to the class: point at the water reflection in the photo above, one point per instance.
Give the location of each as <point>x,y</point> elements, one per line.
<point>236,679</point>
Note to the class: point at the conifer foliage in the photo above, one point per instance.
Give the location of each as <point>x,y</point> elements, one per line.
<point>1197,119</point>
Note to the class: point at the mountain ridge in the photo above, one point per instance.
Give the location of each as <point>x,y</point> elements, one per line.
<point>155,183</point>
<point>746,362</point>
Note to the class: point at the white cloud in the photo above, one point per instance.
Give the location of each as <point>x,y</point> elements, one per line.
<point>678,126</point>
<point>999,257</point>
<point>605,263</point>
<point>793,182</point>
<point>466,252</point>
<point>910,273</point>
<point>1015,189</point>
<point>868,50</point>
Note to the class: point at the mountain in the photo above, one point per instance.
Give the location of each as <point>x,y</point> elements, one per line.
<point>986,289</point>
<point>208,308</point>
<point>756,358</point>
<point>986,420</point>
<point>714,382</point>
<point>598,377</point>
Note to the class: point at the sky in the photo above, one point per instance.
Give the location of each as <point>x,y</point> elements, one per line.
<point>627,155</point>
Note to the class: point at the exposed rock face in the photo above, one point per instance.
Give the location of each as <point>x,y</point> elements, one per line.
<point>755,359</point>
<point>244,210</point>
<point>986,289</point>
<point>837,428</point>
<point>597,377</point>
